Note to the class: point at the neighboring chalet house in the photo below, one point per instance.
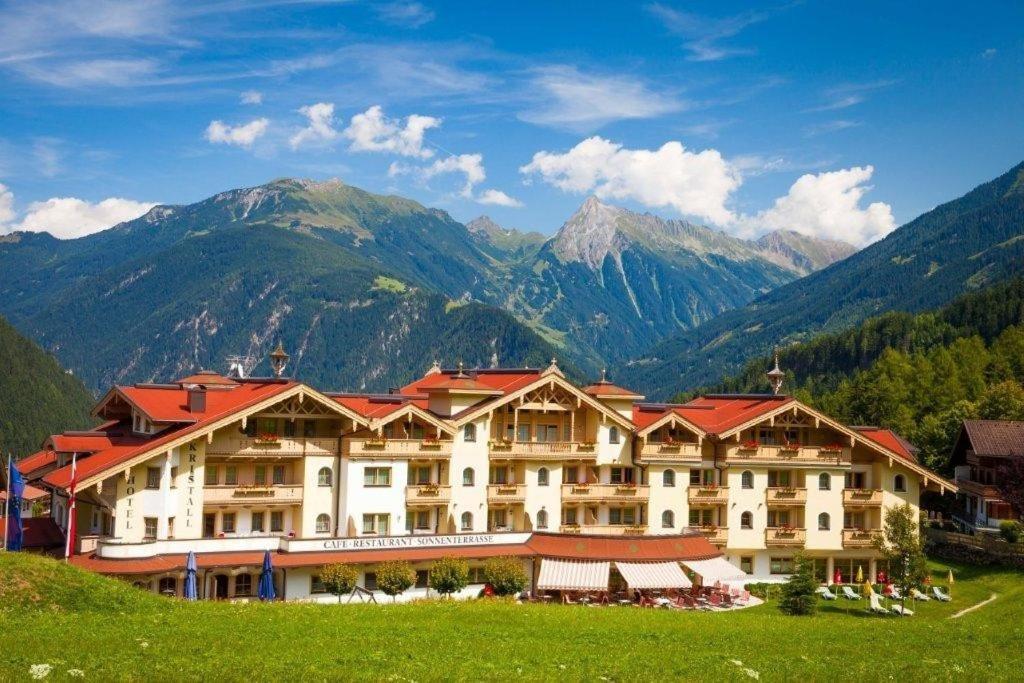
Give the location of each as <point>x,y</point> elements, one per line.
<point>981,449</point>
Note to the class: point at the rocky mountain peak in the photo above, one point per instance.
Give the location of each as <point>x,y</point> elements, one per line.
<point>590,234</point>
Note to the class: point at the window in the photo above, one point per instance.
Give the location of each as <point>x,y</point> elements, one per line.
<point>747,479</point>
<point>209,525</point>
<point>668,478</point>
<point>497,519</point>
<point>778,478</point>
<point>747,564</point>
<point>824,522</point>
<point>257,522</point>
<point>276,522</point>
<point>377,476</point>
<point>168,586</point>
<point>701,517</point>
<point>853,520</point>
<point>542,476</point>
<point>467,476</point>
<point>542,519</point>
<point>228,523</point>
<point>289,428</point>
<point>668,520</point>
<point>854,480</point>
<point>571,475</point>
<point>152,477</point>
<point>278,474</point>
<point>210,475</point>
<point>316,585</point>
<point>309,429</point>
<point>170,527</point>
<point>418,475</point>
<point>422,578</point>
<point>250,428</point>
<point>469,433</point>
<point>323,524</point>
<point>323,477</point>
<point>621,516</point>
<point>824,481</point>
<point>613,435</point>
<point>377,523</point>
<point>569,515</point>
<point>243,585</point>
<point>778,518</point>
<point>174,477</point>
<point>766,437</point>
<point>899,483</point>
<point>702,477</point>
<point>524,433</point>
<point>259,475</point>
<point>780,565</point>
<point>747,520</point>
<point>370,581</point>
<point>231,475</point>
<point>476,575</point>
<point>149,532</point>
<point>421,520</point>
<point>499,475</point>
<point>467,521</point>
<point>622,475</point>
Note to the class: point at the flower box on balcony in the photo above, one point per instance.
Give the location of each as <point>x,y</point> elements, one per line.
<point>376,442</point>
<point>428,489</point>
<point>790,447</point>
<point>625,489</point>
<point>581,488</point>
<point>431,443</point>
<point>508,490</point>
<point>832,448</point>
<point>267,438</point>
<point>749,446</point>
<point>500,444</point>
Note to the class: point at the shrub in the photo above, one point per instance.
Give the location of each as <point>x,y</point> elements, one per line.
<point>799,592</point>
<point>1010,531</point>
<point>505,574</point>
<point>395,577</point>
<point>340,579</point>
<point>449,575</point>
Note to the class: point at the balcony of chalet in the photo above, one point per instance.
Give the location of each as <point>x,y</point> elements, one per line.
<point>271,446</point>
<point>862,498</point>
<point>860,538</point>
<point>782,496</point>
<point>707,495</point>
<point>506,494</point>
<point>292,429</point>
<point>670,443</point>
<point>604,529</point>
<point>426,448</point>
<point>791,439</point>
<point>716,535</point>
<point>427,495</point>
<point>785,537</point>
<point>604,493</point>
<point>753,452</point>
<point>547,424</point>
<point>263,495</point>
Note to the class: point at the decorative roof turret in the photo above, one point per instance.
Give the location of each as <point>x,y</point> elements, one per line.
<point>278,360</point>
<point>776,375</point>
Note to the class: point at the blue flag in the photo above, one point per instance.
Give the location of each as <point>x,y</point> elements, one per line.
<point>16,489</point>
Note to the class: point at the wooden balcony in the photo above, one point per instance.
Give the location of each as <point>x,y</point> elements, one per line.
<point>782,537</point>
<point>254,494</point>
<point>716,535</point>
<point>670,452</point>
<point>542,450</point>
<point>506,494</point>
<point>785,495</point>
<point>862,498</point>
<point>412,449</point>
<point>979,489</point>
<point>428,494</point>
<point>604,493</point>
<point>708,495</point>
<point>280,447</point>
<point>810,456</point>
<point>860,538</point>
<point>604,529</point>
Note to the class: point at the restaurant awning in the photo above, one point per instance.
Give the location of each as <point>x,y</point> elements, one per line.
<point>715,569</point>
<point>573,575</point>
<point>653,574</point>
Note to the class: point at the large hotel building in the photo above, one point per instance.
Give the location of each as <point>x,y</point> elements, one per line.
<point>470,463</point>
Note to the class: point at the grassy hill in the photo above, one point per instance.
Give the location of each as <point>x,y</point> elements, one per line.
<point>61,617</point>
<point>37,396</point>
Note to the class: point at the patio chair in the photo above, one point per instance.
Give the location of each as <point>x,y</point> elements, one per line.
<point>940,596</point>
<point>849,594</point>
<point>715,600</point>
<point>876,605</point>
<point>902,611</point>
<point>918,595</point>
<point>745,598</point>
<point>895,594</point>
<point>826,593</point>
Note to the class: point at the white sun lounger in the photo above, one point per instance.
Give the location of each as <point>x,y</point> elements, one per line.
<point>918,595</point>
<point>939,595</point>
<point>849,594</point>
<point>876,605</point>
<point>826,593</point>
<point>895,594</point>
<point>902,611</point>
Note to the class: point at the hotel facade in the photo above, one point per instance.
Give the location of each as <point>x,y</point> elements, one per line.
<point>470,463</point>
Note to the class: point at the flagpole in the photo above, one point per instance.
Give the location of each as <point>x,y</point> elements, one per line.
<point>71,508</point>
<point>7,500</point>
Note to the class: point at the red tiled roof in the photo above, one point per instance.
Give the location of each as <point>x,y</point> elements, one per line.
<point>609,390</point>
<point>40,532</point>
<point>713,414</point>
<point>31,493</point>
<point>164,403</point>
<point>889,439</point>
<point>505,381</point>
<point>79,442</point>
<point>36,461</point>
<point>209,378</point>
<point>372,407</point>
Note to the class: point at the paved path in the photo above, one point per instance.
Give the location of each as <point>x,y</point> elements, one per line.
<point>974,607</point>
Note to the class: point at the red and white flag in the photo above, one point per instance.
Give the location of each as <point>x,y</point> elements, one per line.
<point>69,548</point>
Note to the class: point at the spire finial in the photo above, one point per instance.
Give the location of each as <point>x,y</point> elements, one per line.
<point>776,375</point>
<point>435,367</point>
<point>278,359</point>
<point>604,375</point>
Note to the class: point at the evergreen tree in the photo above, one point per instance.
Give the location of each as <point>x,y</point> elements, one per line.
<point>799,593</point>
<point>903,547</point>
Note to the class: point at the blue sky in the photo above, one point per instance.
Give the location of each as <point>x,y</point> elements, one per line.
<point>837,119</point>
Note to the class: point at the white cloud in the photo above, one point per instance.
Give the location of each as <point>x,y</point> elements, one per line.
<point>69,217</point>
<point>372,131</point>
<point>847,95</point>
<point>470,167</point>
<point>406,14</point>
<point>91,72</point>
<point>320,129</point>
<point>576,100</point>
<point>243,135</point>
<point>704,34</point>
<point>6,206</point>
<point>989,53</point>
<point>693,183</point>
<point>251,97</point>
<point>828,205</point>
<point>497,198</point>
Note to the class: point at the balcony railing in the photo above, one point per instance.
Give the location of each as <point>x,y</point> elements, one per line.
<point>604,529</point>
<point>778,537</point>
<point>582,493</point>
<point>542,450</point>
<point>281,446</point>
<point>797,455</point>
<point>508,494</point>
<point>718,535</point>
<point>708,495</point>
<point>670,452</point>
<point>262,494</point>
<point>785,495</point>
<point>422,449</point>
<point>428,494</point>
<point>860,538</point>
<point>862,497</point>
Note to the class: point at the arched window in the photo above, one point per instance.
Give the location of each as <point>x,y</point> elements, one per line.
<point>747,520</point>
<point>613,435</point>
<point>467,521</point>
<point>467,476</point>
<point>542,519</point>
<point>899,483</point>
<point>323,477</point>
<point>168,586</point>
<point>668,478</point>
<point>542,476</point>
<point>824,522</point>
<point>469,432</point>
<point>668,520</point>
<point>747,479</point>
<point>323,523</point>
<point>824,481</point>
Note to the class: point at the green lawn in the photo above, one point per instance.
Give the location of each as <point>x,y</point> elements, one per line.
<point>57,615</point>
